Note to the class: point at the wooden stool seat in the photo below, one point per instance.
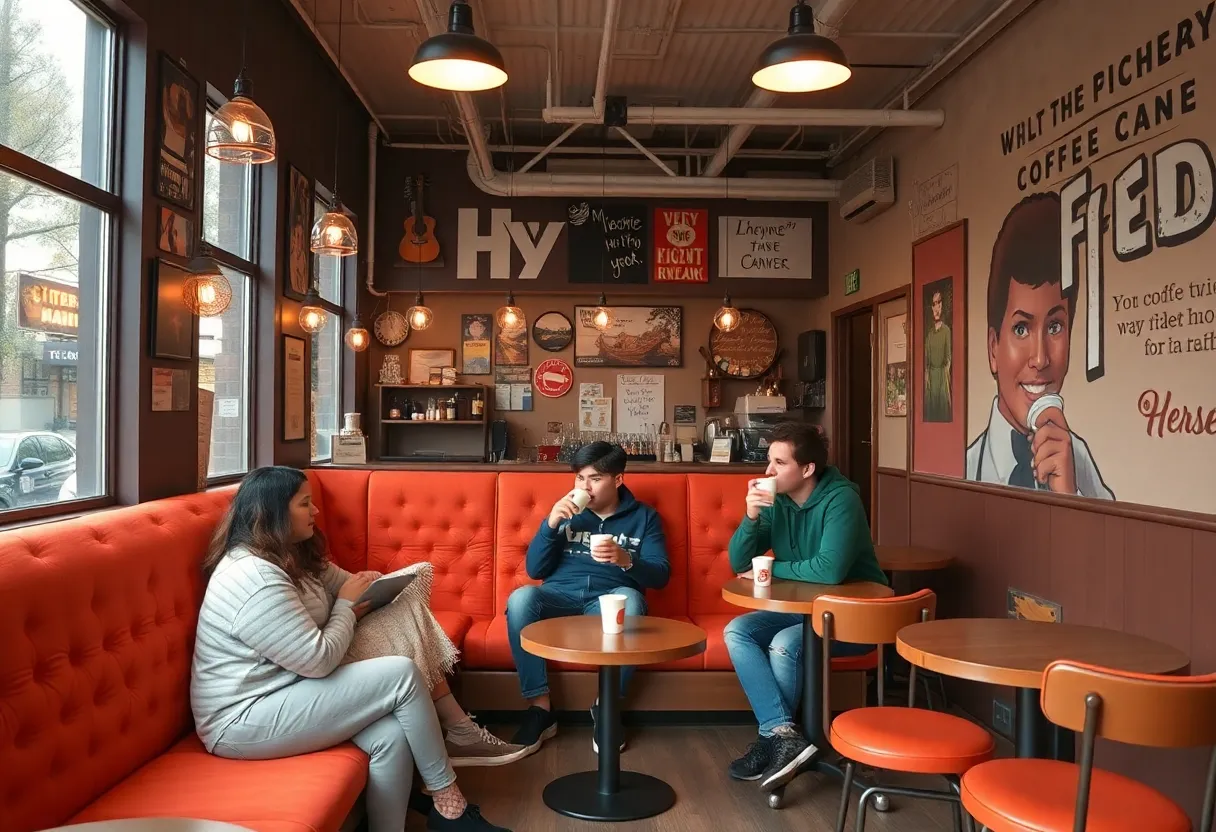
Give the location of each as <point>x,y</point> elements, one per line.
<point>1028,795</point>
<point>911,740</point>
<point>866,661</point>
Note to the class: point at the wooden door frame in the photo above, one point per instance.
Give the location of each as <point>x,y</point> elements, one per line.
<point>840,366</point>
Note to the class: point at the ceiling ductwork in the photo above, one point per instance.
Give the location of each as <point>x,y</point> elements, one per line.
<point>758,117</point>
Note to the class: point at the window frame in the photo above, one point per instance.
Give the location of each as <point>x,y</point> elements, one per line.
<point>248,268</point>
<point>110,203</point>
<point>337,314</point>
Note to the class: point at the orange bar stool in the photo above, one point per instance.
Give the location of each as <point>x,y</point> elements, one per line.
<point>1031,795</point>
<point>911,740</point>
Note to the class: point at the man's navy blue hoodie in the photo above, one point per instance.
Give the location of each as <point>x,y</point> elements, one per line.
<point>561,557</point>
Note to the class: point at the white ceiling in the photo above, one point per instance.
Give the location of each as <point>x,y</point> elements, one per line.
<point>667,52</point>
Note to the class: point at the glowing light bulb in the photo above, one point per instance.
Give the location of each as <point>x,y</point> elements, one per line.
<point>510,318</point>
<point>241,131</point>
<point>333,235</point>
<point>358,339</point>
<point>206,294</point>
<point>602,319</point>
<point>419,318</point>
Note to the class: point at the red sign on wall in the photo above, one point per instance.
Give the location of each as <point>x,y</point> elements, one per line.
<point>554,378</point>
<point>681,245</point>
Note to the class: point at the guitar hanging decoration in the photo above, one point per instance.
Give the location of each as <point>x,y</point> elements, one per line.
<point>418,245</point>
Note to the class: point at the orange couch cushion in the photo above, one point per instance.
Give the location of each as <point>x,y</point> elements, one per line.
<point>341,498</point>
<point>97,616</point>
<point>308,793</point>
<point>715,509</point>
<point>443,517</point>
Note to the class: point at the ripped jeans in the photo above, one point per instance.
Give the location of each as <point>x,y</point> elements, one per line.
<point>766,650</point>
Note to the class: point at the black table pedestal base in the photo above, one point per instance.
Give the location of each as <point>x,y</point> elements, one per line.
<point>1035,736</point>
<point>637,796</point>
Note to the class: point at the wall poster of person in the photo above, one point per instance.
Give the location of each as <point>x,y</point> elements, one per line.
<point>938,300</point>
<point>178,155</point>
<point>173,331</point>
<point>299,230</point>
<point>176,233</point>
<point>939,357</point>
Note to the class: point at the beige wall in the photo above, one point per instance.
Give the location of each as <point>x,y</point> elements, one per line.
<point>681,385</point>
<point>1053,49</point>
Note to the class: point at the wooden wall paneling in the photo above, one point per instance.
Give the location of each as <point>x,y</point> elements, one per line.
<point>891,509</point>
<point>1077,575</point>
<point>1113,565</point>
<point>1203,615</point>
<point>1157,571</point>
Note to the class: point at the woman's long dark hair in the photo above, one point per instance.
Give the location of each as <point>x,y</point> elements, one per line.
<point>259,520</point>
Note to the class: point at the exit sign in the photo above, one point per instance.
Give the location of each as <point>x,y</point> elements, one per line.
<point>852,282</point>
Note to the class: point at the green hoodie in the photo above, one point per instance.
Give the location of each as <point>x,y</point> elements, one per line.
<point>824,541</point>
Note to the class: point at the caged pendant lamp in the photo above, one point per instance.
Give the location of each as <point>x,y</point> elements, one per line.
<point>802,61</point>
<point>334,233</point>
<point>240,131</point>
<point>458,60</point>
<point>510,317</point>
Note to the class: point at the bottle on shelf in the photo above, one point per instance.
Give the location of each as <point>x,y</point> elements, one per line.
<point>478,406</point>
<point>431,413</point>
<point>450,409</point>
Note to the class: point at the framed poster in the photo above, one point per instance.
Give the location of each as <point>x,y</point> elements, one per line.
<point>552,332</point>
<point>895,364</point>
<point>511,346</point>
<point>421,362</point>
<point>770,247</point>
<point>173,325</point>
<point>609,242</point>
<point>175,234</point>
<point>299,230</point>
<point>681,245</point>
<point>939,352</point>
<point>638,336</point>
<point>177,155</point>
<point>475,344</point>
<point>295,404</point>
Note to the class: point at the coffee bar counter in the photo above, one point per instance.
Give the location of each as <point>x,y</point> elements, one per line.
<point>558,467</point>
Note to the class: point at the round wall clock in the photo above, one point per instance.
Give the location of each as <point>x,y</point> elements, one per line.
<point>391,328</point>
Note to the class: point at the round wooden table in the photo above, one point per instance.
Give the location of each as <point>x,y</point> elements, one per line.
<point>799,598</point>
<point>1013,652</point>
<point>610,794</point>
<point>911,559</point>
<point>152,825</point>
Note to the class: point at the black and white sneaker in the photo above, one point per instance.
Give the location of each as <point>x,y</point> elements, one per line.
<point>754,760</point>
<point>595,729</point>
<point>537,726</point>
<point>788,755</point>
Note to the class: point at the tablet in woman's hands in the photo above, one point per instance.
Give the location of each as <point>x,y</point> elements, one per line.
<point>383,590</point>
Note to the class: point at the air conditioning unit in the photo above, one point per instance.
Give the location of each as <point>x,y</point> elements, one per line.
<point>868,191</point>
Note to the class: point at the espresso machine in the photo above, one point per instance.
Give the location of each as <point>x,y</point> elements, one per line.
<point>755,417</point>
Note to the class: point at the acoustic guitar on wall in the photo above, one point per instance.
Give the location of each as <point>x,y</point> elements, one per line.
<point>419,244</point>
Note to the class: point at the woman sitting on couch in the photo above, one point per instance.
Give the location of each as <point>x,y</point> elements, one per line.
<point>276,621</point>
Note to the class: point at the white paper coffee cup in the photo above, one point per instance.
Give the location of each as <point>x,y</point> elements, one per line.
<point>762,570</point>
<point>612,613</point>
<point>1041,404</point>
<point>580,498</point>
<point>768,485</point>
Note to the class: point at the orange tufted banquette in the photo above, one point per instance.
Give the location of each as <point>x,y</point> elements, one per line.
<point>97,618</point>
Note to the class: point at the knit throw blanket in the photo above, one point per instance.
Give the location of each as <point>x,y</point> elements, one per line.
<point>406,627</point>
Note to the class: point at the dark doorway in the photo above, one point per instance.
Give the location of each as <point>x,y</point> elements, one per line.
<point>855,409</point>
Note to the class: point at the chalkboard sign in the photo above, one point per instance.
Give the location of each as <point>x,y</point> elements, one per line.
<point>748,350</point>
<point>609,243</point>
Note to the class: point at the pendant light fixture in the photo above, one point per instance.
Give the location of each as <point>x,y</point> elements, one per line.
<point>601,318</point>
<point>419,315</point>
<point>510,316</point>
<point>802,61</point>
<point>334,234</point>
<point>240,130</point>
<point>357,337</point>
<point>206,292</point>
<point>313,316</point>
<point>727,317</point>
<point>458,60</point>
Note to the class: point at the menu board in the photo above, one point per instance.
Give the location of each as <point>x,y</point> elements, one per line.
<point>748,350</point>
<point>609,243</point>
<point>639,402</point>
<point>772,247</point>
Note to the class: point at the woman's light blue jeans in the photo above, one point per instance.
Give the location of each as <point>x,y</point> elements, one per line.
<point>766,650</point>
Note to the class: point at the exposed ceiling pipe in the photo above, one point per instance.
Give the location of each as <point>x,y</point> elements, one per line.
<point>373,143</point>
<point>316,33</point>
<point>659,187</point>
<point>768,117</point>
<point>942,68</point>
<point>829,15</point>
<point>612,10</point>
<point>617,150</point>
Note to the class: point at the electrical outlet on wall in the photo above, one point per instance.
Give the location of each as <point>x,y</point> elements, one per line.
<point>1002,717</point>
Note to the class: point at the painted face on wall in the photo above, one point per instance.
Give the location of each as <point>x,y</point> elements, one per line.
<point>937,306</point>
<point>1029,356</point>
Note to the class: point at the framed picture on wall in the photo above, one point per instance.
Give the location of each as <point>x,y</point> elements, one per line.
<point>423,360</point>
<point>475,344</point>
<point>295,404</point>
<point>895,365</point>
<point>299,230</point>
<point>173,325</point>
<point>636,336</point>
<point>175,233</point>
<point>177,155</point>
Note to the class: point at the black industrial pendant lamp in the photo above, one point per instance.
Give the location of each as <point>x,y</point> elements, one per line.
<point>458,60</point>
<point>802,61</point>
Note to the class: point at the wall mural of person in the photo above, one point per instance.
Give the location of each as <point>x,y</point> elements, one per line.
<point>1030,320</point>
<point>939,351</point>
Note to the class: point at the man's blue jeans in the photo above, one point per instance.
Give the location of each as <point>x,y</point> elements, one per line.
<point>766,650</point>
<point>538,603</point>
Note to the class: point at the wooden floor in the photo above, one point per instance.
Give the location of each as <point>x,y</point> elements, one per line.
<point>693,761</point>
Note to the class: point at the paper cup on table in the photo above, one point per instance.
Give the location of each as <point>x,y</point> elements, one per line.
<point>612,612</point>
<point>762,570</point>
<point>580,498</point>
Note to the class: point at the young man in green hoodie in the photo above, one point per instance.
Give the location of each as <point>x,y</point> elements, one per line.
<point>816,527</point>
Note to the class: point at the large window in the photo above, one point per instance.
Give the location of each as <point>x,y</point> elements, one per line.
<point>224,353</point>
<point>56,226</point>
<point>327,345</point>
